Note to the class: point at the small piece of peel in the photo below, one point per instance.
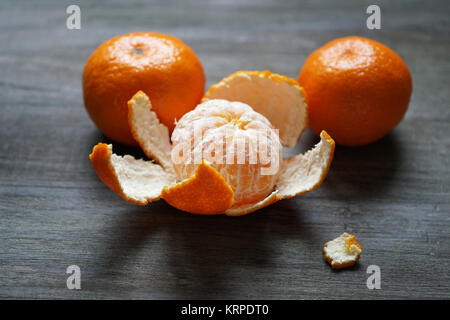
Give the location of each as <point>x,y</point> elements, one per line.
<point>342,252</point>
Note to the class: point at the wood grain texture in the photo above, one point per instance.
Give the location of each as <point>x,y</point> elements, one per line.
<point>54,212</point>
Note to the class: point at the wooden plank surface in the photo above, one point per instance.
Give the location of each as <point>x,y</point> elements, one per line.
<point>54,212</point>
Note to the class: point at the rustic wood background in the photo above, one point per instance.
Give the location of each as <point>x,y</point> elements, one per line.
<point>54,212</point>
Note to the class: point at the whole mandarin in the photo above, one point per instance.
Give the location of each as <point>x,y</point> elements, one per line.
<point>357,90</point>
<point>162,66</point>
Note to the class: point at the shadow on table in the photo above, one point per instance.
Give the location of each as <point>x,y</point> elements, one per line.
<point>364,172</point>
<point>201,253</point>
<point>360,172</point>
<point>120,149</point>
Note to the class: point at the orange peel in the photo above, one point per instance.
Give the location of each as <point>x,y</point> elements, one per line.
<point>151,135</point>
<point>342,252</point>
<point>252,207</point>
<point>305,172</point>
<point>280,99</point>
<point>136,181</point>
<point>206,191</point>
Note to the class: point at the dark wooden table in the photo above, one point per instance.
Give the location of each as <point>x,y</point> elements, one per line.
<point>54,211</point>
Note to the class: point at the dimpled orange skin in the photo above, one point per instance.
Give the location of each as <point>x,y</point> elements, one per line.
<point>162,66</point>
<point>357,90</point>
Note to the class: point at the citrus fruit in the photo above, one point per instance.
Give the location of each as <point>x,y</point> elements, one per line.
<point>357,90</point>
<point>162,66</point>
<point>227,131</point>
<point>206,185</point>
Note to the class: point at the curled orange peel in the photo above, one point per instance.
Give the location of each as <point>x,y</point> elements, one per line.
<point>206,192</point>
<point>279,98</point>
<point>305,172</point>
<point>252,207</point>
<point>151,135</point>
<point>342,252</point>
<point>136,181</point>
